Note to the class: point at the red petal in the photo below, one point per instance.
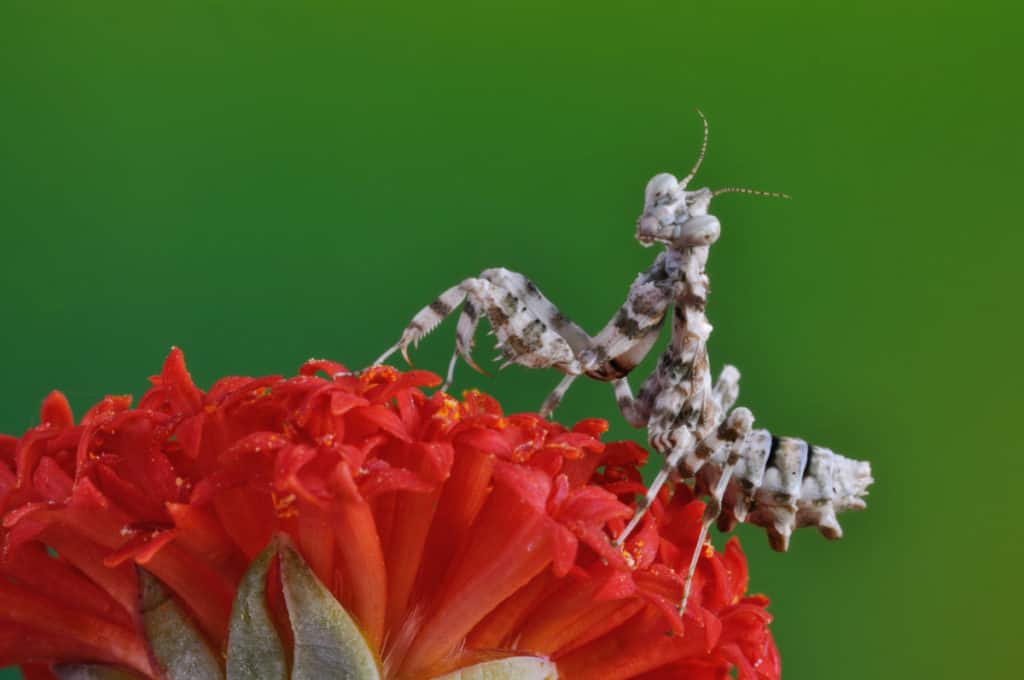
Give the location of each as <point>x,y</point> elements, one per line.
<point>501,627</point>
<point>594,427</point>
<point>140,549</point>
<point>485,440</point>
<point>174,386</point>
<point>736,565</point>
<point>392,383</point>
<point>88,557</point>
<point>31,448</point>
<point>56,411</point>
<point>199,533</point>
<point>461,500</point>
<point>404,549</point>
<point>362,563</point>
<point>510,545</point>
<point>109,405</point>
<point>32,566</point>
<point>565,547</point>
<point>373,417</point>
<point>568,613</point>
<point>50,481</point>
<point>383,478</point>
<point>248,516</point>
<point>329,368</point>
<point>8,444</point>
<point>105,641</point>
<point>644,544</point>
<point>638,646</point>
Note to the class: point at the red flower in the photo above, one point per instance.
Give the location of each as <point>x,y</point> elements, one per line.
<point>451,532</point>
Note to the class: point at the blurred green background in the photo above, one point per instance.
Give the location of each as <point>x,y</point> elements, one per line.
<point>260,182</point>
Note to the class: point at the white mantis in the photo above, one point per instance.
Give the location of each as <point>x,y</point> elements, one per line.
<point>749,475</point>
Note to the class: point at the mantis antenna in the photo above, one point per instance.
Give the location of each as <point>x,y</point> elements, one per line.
<point>755,192</point>
<point>700,157</point>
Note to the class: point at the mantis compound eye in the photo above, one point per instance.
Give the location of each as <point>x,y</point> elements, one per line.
<point>662,189</point>
<point>656,224</point>
<point>699,230</point>
<point>646,230</point>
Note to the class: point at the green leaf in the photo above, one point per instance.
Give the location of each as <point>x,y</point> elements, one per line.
<point>254,648</point>
<point>328,643</point>
<point>178,646</point>
<point>72,671</point>
<point>511,668</point>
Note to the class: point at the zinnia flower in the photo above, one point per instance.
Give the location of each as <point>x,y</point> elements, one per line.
<point>227,527</point>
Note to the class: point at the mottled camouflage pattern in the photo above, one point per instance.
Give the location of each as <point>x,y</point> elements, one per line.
<point>749,475</point>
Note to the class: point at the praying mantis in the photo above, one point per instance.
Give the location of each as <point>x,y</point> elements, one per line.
<point>749,475</point>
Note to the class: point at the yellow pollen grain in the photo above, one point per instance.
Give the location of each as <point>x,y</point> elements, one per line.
<point>709,551</point>
<point>449,410</point>
<point>179,482</point>
<point>376,373</point>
